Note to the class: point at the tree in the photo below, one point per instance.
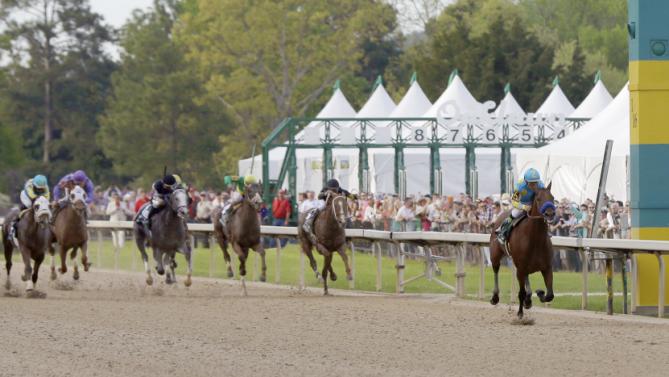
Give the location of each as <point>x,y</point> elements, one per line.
<point>58,82</point>
<point>265,61</point>
<point>487,42</point>
<point>153,118</point>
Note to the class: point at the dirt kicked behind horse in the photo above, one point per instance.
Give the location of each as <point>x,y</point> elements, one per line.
<point>531,250</point>
<point>330,230</point>
<point>169,235</point>
<point>243,234</point>
<point>33,234</point>
<point>70,233</point>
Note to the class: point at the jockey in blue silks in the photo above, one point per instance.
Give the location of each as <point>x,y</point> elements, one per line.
<point>521,201</point>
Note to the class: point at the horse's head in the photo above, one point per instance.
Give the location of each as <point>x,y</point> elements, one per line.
<point>77,196</point>
<point>339,206</point>
<point>543,203</point>
<point>41,210</point>
<point>179,203</point>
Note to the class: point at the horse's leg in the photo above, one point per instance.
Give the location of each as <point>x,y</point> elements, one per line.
<point>158,258</point>
<point>28,271</point>
<point>38,262</point>
<point>548,280</point>
<point>167,263</point>
<point>188,253</point>
<point>344,257</point>
<point>84,256</point>
<point>528,295</point>
<point>521,276</point>
<point>306,248</point>
<point>495,258</point>
<point>242,265</point>
<point>326,268</point>
<point>223,243</point>
<point>73,256</point>
<point>52,257</point>
<point>145,258</point>
<point>260,249</point>
<point>9,248</point>
<point>62,251</point>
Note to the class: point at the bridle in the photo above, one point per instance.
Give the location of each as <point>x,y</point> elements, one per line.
<point>543,208</point>
<point>338,201</point>
<point>181,209</point>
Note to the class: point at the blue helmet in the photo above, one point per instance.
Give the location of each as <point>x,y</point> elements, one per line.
<point>532,175</point>
<point>40,181</point>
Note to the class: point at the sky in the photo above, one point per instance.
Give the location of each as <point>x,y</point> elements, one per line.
<point>116,12</point>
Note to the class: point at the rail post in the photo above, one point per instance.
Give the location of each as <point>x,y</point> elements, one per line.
<point>399,266</point>
<point>460,270</point>
<point>633,277</point>
<point>623,272</point>
<point>661,295</point>
<point>584,274</point>
<point>379,263</point>
<point>609,286</point>
<point>211,255</point>
<point>481,273</point>
<point>277,263</point>
<point>99,251</point>
<point>302,286</point>
<point>351,283</point>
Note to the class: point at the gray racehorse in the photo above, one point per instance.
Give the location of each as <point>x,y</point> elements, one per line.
<point>169,234</point>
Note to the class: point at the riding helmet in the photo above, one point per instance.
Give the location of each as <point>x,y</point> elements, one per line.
<point>250,180</point>
<point>532,175</point>
<point>79,176</point>
<point>332,184</point>
<point>169,180</point>
<point>40,181</point>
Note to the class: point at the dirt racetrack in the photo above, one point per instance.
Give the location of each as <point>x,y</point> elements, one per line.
<point>109,324</point>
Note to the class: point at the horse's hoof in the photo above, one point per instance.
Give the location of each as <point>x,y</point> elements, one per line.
<point>541,294</point>
<point>527,304</point>
<point>87,266</point>
<point>76,275</point>
<point>494,300</point>
<point>25,278</point>
<point>8,285</point>
<point>349,277</point>
<point>230,274</point>
<point>62,270</point>
<point>333,277</point>
<point>326,293</point>
<point>160,271</point>
<point>174,264</point>
<point>263,278</point>
<point>188,282</point>
<point>149,281</point>
<point>319,277</point>
<point>53,275</point>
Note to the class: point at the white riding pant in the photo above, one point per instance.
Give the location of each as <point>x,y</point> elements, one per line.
<point>25,199</point>
<point>515,212</point>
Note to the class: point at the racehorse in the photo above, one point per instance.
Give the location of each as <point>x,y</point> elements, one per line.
<point>69,231</point>
<point>243,233</point>
<point>169,234</point>
<point>33,234</point>
<point>530,248</point>
<point>330,230</point>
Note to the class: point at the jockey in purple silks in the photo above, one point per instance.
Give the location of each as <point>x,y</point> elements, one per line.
<point>79,178</point>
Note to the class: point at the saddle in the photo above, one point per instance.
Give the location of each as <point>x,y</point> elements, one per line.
<point>22,213</point>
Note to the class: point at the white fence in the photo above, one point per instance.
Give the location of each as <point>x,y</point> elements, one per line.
<point>621,249</point>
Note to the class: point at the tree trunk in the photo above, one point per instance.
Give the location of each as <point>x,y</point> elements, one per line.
<point>47,118</point>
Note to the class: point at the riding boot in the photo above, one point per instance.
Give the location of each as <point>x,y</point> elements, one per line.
<point>56,209</point>
<point>12,233</point>
<point>225,215</point>
<point>503,230</point>
<point>308,226</point>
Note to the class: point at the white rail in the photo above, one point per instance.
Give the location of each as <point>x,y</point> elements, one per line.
<point>621,248</point>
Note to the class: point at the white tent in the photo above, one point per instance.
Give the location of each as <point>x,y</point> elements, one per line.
<point>573,163</point>
<point>596,101</point>
<point>457,94</point>
<point>508,105</point>
<point>379,104</point>
<point>556,102</point>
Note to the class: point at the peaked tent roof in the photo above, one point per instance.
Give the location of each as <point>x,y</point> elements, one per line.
<point>611,123</point>
<point>509,106</point>
<point>337,107</point>
<point>556,103</point>
<point>598,98</point>
<point>379,104</point>
<point>457,92</point>
<point>414,103</point>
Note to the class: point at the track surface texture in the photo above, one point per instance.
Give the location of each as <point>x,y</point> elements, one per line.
<point>111,324</point>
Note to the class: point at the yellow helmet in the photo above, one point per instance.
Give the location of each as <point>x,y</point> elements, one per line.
<point>250,180</point>
<point>177,179</point>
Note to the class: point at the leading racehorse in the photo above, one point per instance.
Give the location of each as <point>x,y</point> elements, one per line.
<point>169,234</point>
<point>529,246</point>
<point>33,235</point>
<point>69,231</point>
<point>243,234</point>
<point>330,230</point>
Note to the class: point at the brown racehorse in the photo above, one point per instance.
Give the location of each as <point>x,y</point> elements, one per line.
<point>330,230</point>
<point>243,234</point>
<point>69,231</point>
<point>33,234</point>
<point>530,248</point>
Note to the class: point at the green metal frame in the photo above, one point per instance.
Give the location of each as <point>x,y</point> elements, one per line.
<point>284,135</point>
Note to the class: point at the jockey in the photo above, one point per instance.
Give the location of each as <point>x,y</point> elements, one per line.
<point>331,186</point>
<point>78,178</point>
<point>161,189</point>
<point>33,189</point>
<point>521,201</point>
<point>241,184</point>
